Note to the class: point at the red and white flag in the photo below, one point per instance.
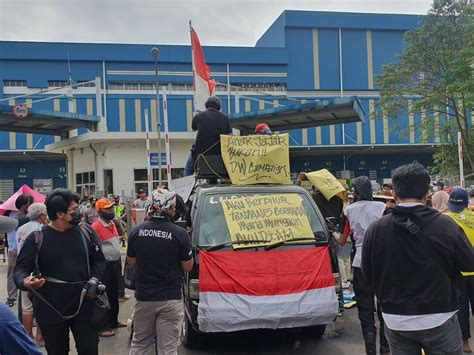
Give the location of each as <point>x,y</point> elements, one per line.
<point>265,289</point>
<point>202,82</point>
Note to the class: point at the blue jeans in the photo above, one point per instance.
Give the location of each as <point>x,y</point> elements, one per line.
<point>445,339</point>
<point>189,168</point>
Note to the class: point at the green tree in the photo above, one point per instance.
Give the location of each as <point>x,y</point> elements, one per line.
<point>435,75</point>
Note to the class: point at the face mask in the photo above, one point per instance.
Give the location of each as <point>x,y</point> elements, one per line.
<point>75,218</point>
<point>107,216</point>
<point>435,189</point>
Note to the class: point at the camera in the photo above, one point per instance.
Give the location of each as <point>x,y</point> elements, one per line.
<point>94,287</point>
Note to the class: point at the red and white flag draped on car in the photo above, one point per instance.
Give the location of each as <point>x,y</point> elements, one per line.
<point>265,289</point>
<point>202,82</point>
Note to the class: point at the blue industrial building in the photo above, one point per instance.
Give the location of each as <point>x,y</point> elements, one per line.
<point>302,56</point>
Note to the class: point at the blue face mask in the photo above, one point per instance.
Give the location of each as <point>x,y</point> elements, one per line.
<point>107,216</point>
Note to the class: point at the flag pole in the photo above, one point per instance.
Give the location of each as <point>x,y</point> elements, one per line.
<point>148,155</point>
<point>461,166</point>
<point>167,142</point>
<point>193,65</point>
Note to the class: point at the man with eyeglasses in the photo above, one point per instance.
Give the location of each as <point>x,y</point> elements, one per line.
<point>66,260</point>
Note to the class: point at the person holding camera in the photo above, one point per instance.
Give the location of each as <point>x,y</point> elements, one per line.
<point>61,266</point>
<point>160,251</point>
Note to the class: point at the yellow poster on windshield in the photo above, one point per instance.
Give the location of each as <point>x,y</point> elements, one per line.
<point>263,220</point>
<point>326,183</point>
<point>260,159</point>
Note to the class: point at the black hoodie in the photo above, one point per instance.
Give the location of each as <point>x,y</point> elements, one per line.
<point>412,257</point>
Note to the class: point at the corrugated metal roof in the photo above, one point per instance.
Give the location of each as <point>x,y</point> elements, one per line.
<point>45,121</point>
<point>310,114</point>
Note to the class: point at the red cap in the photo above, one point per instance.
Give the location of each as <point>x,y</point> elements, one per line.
<point>260,126</point>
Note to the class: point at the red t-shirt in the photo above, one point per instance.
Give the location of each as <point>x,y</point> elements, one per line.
<point>105,232</point>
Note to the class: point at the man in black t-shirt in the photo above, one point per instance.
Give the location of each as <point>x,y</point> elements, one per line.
<point>160,251</point>
<point>210,124</point>
<point>66,260</point>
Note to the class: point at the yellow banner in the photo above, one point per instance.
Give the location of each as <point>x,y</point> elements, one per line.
<point>326,183</point>
<point>257,159</point>
<point>264,220</point>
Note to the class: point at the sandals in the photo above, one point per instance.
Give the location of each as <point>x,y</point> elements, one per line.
<point>106,333</point>
<point>120,325</point>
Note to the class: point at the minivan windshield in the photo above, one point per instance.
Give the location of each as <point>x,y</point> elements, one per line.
<point>212,228</point>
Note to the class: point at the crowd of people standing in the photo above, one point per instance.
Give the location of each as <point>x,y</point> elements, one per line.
<point>412,265</point>
<point>412,261</point>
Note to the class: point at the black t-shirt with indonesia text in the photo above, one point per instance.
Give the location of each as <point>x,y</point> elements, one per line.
<point>159,246</point>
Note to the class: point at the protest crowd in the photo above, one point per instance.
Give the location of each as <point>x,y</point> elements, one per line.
<point>405,251</point>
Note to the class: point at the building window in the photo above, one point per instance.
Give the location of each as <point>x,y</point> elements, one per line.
<point>57,83</point>
<point>108,182</point>
<point>141,181</point>
<point>88,85</point>
<point>85,184</point>
<point>14,83</point>
<point>138,86</point>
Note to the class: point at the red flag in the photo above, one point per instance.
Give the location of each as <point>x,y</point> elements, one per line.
<point>202,82</point>
<point>265,289</point>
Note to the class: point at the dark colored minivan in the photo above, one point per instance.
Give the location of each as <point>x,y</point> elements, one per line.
<point>210,233</point>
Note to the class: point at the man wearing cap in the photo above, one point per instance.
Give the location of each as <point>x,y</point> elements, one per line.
<point>13,338</point>
<point>458,203</point>
<point>38,218</point>
<point>142,201</point>
<point>160,251</point>
<point>263,129</point>
<point>110,239</point>
<point>210,124</point>
<point>119,208</point>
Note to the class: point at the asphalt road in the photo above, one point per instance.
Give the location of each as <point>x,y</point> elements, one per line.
<point>343,337</point>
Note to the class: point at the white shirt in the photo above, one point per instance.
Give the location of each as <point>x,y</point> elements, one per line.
<point>24,231</point>
<point>418,322</point>
<point>361,215</point>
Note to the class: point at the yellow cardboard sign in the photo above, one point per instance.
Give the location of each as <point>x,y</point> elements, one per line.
<point>326,183</point>
<point>260,159</point>
<point>266,219</point>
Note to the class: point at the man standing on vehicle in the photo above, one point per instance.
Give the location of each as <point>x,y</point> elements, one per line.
<point>66,260</point>
<point>210,124</point>
<point>412,258</point>
<point>160,251</point>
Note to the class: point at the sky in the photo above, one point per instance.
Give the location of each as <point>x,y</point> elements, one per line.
<point>217,22</point>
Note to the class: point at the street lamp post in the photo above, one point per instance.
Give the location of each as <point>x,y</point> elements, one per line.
<point>155,52</point>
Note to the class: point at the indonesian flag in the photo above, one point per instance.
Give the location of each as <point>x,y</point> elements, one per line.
<point>265,289</point>
<point>202,82</point>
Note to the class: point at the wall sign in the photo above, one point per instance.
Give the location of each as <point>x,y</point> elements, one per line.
<point>20,111</point>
